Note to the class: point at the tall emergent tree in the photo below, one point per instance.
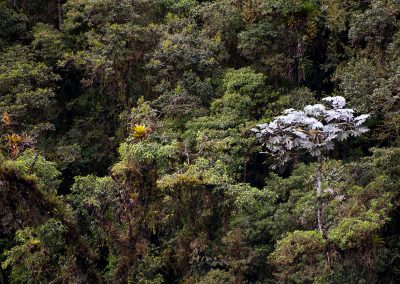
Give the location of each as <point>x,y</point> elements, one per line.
<point>313,130</point>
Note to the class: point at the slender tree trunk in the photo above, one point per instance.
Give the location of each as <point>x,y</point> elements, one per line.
<point>26,4</point>
<point>319,192</point>
<point>59,14</point>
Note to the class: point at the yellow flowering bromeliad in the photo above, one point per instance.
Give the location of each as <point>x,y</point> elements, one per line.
<point>6,119</point>
<point>14,141</point>
<point>139,131</point>
<point>35,242</point>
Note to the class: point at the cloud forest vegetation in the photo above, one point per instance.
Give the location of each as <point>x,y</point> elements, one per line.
<point>200,141</point>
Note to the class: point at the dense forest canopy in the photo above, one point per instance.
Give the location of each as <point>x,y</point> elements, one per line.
<point>139,139</point>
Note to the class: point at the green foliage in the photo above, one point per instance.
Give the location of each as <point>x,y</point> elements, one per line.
<point>27,89</point>
<point>138,155</point>
<point>225,132</point>
<point>278,35</point>
<point>47,43</point>
<point>13,25</point>
<point>149,269</point>
<point>33,165</point>
<point>90,196</point>
<point>224,19</point>
<point>183,67</point>
<point>217,277</point>
<point>351,231</point>
<point>37,249</point>
<point>374,24</point>
<point>300,257</point>
<point>356,211</point>
<point>150,173</point>
<point>366,73</point>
